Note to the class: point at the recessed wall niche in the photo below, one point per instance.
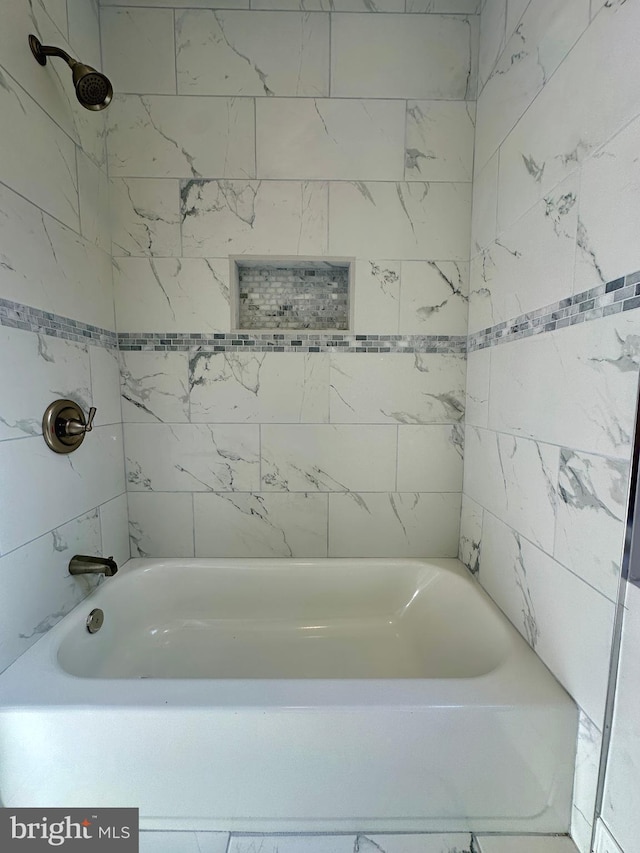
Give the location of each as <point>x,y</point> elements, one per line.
<point>291,293</point>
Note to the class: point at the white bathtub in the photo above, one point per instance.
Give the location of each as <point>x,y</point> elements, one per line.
<point>315,695</point>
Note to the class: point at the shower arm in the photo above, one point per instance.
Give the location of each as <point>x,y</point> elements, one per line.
<point>41,51</point>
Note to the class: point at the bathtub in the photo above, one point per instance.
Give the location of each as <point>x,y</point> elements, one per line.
<point>306,695</point>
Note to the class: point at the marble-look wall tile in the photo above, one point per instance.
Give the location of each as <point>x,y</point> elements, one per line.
<point>585,782</point>
<point>420,388</point>
<point>515,479</point>
<point>84,30</point>
<point>50,267</point>
<point>542,39</point>
<point>37,369</point>
<point>604,842</point>
<point>255,217</point>
<point>332,5</point>
<point>478,385</point>
<point>449,7</point>
<point>493,22</point>
<point>484,216</point>
<point>557,133</point>
<point>93,475</point>
<point>515,10</point>
<point>155,387</point>
<point>591,517</point>
<point>581,393</point>
<point>331,139</point>
<point>567,622</point>
<point>394,525</point>
<point>37,159</point>
<point>470,547</point>
<point>147,137</point>
<point>524,844</point>
<point>376,297</point>
<point>105,385</point>
<point>93,193</point>
<point>402,56</point>
<point>434,298</point>
<point>139,50</point>
<point>328,457</point>
<point>609,217</point>
<point>259,387</point>
<point>172,294</point>
<point>192,4</point>
<point>439,141</point>
<point>261,525</point>
<point>114,519</point>
<point>252,53</point>
<point>33,599</point>
<point>192,457</point>
<point>293,844</point>
<point>410,221</point>
<point>161,524</point>
<point>51,87</point>
<point>621,806</point>
<point>430,458</point>
<point>530,265</point>
<point>145,216</point>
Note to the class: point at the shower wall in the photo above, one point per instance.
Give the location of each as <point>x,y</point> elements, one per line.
<point>554,335</point>
<point>57,334</point>
<point>280,132</point>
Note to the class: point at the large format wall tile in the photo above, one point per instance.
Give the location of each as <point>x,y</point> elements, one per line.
<point>172,294</point>
<point>192,457</point>
<point>394,525</point>
<point>545,35</point>
<point>471,518</point>
<point>484,218</point>
<point>376,296</point>
<point>261,525</point>
<point>37,369</point>
<point>585,781</point>
<point>567,622</point>
<point>252,53</point>
<point>434,298</point>
<point>591,517</point>
<point>155,387</point>
<point>439,140</point>
<point>404,56</point>
<point>37,159</point>
<point>259,387</point>
<point>145,216</point>
<point>254,217</point>
<point>557,132</point>
<point>325,458</point>
<point>330,139</point>
<point>419,388</point>
<point>515,479</point>
<point>93,195</point>
<point>93,475</point>
<point>50,267</point>
<point>44,597</point>
<point>410,221</point>
<point>530,265</point>
<point>478,384</point>
<point>430,458</point>
<point>609,211</point>
<point>147,138</point>
<point>575,387</point>
<point>139,50</point>
<point>161,524</point>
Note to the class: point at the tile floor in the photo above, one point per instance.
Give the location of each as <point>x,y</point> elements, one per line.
<point>223,842</point>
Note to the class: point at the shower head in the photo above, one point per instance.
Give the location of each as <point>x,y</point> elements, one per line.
<point>93,89</point>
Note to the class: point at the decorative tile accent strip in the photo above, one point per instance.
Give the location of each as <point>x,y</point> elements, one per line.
<point>283,342</point>
<point>623,294</point>
<point>19,316</point>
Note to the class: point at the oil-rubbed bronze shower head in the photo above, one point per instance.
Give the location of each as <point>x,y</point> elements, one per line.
<point>93,89</point>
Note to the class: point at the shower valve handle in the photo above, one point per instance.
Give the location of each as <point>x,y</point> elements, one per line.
<point>64,425</point>
<point>76,427</point>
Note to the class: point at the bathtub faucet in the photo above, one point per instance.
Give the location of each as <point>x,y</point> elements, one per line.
<point>84,565</point>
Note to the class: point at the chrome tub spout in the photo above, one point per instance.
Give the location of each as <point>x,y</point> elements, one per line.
<point>86,565</point>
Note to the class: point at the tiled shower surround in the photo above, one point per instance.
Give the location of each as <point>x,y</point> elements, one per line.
<point>288,133</point>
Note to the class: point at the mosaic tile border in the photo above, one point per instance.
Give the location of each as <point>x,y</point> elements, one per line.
<point>17,316</point>
<point>287,342</point>
<point>622,294</point>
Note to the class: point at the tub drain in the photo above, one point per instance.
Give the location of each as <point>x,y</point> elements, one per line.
<point>95,620</point>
